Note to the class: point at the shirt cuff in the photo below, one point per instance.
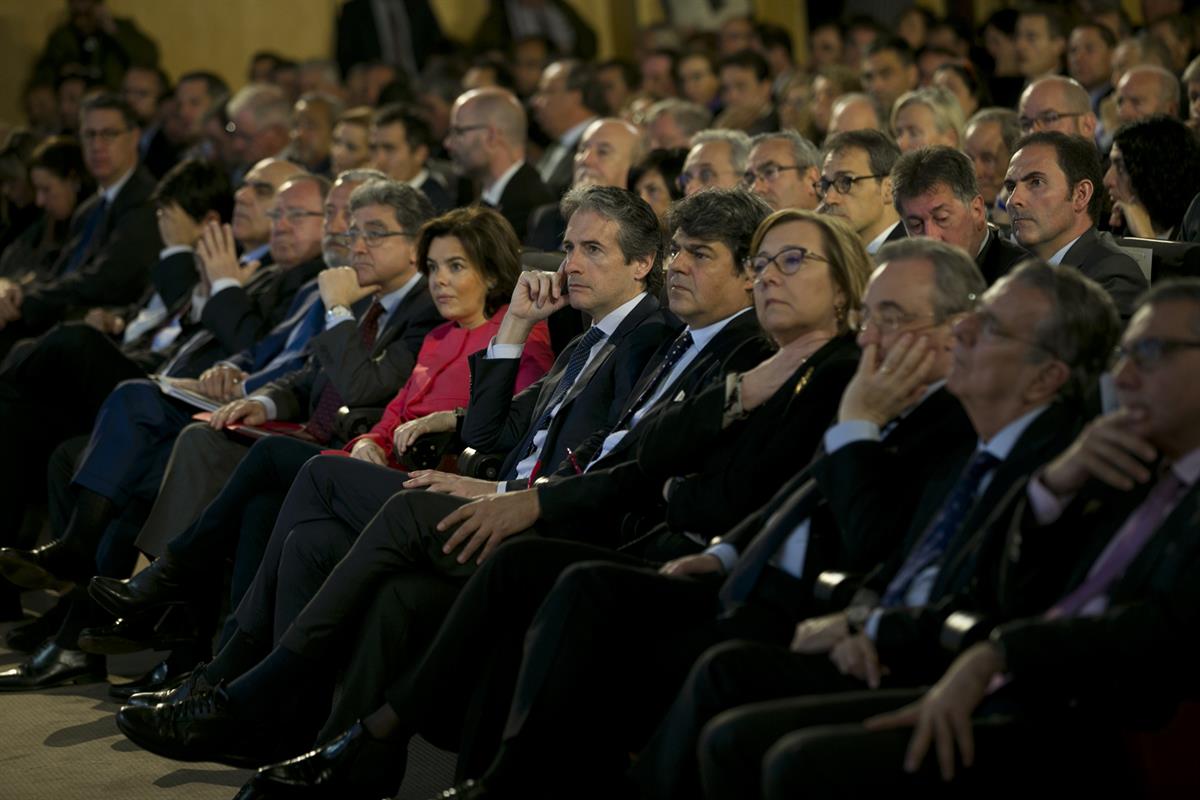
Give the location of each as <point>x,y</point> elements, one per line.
<point>221,284</point>
<point>1045,504</point>
<point>501,487</point>
<point>727,554</point>
<point>337,315</point>
<point>266,403</point>
<point>504,350</point>
<point>871,626</point>
<point>849,432</point>
<point>174,250</point>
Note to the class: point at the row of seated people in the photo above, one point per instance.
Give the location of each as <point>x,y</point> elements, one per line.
<point>400,589</point>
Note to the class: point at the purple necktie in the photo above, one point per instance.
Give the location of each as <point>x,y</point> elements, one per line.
<point>1129,541</point>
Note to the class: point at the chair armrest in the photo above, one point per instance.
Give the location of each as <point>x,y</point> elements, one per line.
<point>352,422</point>
<point>963,629</point>
<point>474,464</point>
<point>836,589</point>
<point>428,450</point>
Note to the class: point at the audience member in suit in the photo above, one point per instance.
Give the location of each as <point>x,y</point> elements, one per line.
<point>260,116</point>
<point>783,168</point>
<point>486,139</point>
<point>313,118</point>
<point>857,168</point>
<point>404,34</point>
<point>608,149</point>
<point>1154,169</point>
<point>67,373</point>
<point>597,271</point>
<point>937,196</point>
<point>654,624</point>
<point>554,20</point>
<point>1114,520</point>
<point>746,94</point>
<point>568,98</point>
<point>1024,359</point>
<point>147,90</point>
<point>719,455</point>
<point>1054,183</point>
<point>112,240</point>
<point>400,144</point>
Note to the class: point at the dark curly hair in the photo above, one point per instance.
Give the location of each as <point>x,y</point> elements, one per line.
<point>1162,159</point>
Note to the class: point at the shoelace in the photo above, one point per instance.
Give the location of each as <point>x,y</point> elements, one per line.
<point>196,705</point>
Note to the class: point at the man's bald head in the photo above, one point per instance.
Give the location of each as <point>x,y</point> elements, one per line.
<point>1147,90</point>
<point>607,150</point>
<point>853,112</point>
<point>1057,103</point>
<point>500,108</point>
<point>256,196</point>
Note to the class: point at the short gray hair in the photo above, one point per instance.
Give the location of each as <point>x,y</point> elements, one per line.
<point>1008,120</point>
<point>639,234</point>
<point>1168,84</point>
<point>267,104</point>
<point>690,117</point>
<point>957,281</point>
<point>924,169</point>
<point>410,206</point>
<point>739,144</point>
<point>804,151</point>
<point>1083,325</point>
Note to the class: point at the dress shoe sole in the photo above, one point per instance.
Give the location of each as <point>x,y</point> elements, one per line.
<point>20,572</point>
<point>190,752</point>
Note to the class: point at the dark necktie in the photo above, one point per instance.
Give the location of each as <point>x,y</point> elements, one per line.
<point>937,536</point>
<point>775,531</point>
<point>1128,542</point>
<point>320,425</point>
<point>579,357</point>
<point>90,228</point>
<point>678,348</point>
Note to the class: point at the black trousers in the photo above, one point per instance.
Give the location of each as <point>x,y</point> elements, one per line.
<point>50,390</point>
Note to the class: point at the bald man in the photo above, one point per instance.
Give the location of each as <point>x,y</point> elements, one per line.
<point>1147,90</point>
<point>853,112</point>
<point>1057,103</point>
<point>486,139</point>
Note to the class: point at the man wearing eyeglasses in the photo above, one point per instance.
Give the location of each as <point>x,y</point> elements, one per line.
<point>113,239</point>
<point>486,139</point>
<point>717,159</point>
<point>1057,103</point>
<point>783,169</point>
<point>1103,650</point>
<point>856,185</point>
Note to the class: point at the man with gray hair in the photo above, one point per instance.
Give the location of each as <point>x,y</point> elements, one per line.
<point>783,169</point>
<point>1147,90</point>
<point>486,139</point>
<point>937,197</point>
<point>717,160</point>
<point>673,122</point>
<point>259,122</point>
<point>991,136</point>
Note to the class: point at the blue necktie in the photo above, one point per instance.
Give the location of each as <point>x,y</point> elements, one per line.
<point>936,538</point>
<point>90,226</point>
<point>578,358</point>
<point>678,348</point>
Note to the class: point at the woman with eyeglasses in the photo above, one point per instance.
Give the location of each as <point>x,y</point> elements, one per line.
<point>744,437</point>
<point>1153,174</point>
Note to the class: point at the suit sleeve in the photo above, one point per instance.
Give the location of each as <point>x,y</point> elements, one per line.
<point>363,380</point>
<point>114,276</point>
<point>496,420</point>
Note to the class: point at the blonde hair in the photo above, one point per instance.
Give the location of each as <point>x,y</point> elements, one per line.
<point>947,113</point>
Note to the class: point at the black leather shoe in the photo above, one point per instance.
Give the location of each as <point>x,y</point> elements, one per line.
<point>471,790</point>
<point>163,628</point>
<point>200,727</point>
<point>55,565</point>
<point>30,636</point>
<point>323,772</point>
<point>161,582</point>
<point>52,666</point>
<point>162,677</point>
<point>195,683</point>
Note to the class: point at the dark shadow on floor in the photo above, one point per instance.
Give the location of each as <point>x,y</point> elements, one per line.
<point>214,777</point>
<point>79,734</point>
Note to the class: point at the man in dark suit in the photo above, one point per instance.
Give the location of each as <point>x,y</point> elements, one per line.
<point>937,196</point>
<point>400,145</point>
<point>709,294</point>
<point>567,100</point>
<point>554,20</point>
<point>486,139</point>
<point>817,520</point>
<point>1105,537</point>
<point>403,34</point>
<point>1023,362</point>
<point>856,185</point>
<point>1054,183</point>
<point>608,149</point>
<point>112,239</point>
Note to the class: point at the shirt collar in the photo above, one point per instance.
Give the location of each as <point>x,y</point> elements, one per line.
<point>613,320</point>
<point>392,299</point>
<point>573,135</point>
<point>702,336</point>
<point>987,237</point>
<point>110,194</point>
<point>877,242</point>
<point>418,180</point>
<point>256,254</point>
<point>1187,469</point>
<point>1006,438</point>
<point>492,194</point>
<point>1057,258</point>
